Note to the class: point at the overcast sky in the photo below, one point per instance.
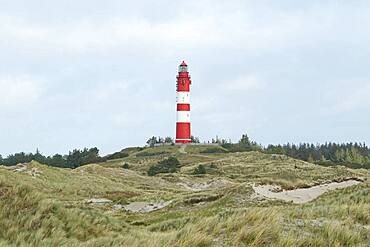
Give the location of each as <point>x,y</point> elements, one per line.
<point>77,74</point>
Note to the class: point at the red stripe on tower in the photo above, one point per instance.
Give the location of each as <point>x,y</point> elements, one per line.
<point>183,134</point>
<point>183,107</point>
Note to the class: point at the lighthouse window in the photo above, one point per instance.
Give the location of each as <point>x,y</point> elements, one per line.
<point>183,69</point>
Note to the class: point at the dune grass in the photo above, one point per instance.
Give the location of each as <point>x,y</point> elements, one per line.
<point>213,209</point>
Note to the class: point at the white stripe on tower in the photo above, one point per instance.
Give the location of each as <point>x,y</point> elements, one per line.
<point>183,116</point>
<point>183,98</point>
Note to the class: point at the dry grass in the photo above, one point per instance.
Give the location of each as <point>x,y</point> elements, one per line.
<point>49,210</point>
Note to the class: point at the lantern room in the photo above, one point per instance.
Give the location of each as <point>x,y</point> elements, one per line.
<point>183,67</point>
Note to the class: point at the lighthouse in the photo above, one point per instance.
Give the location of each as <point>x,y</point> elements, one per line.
<point>183,134</point>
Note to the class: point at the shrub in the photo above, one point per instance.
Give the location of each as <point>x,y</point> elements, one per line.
<point>165,166</point>
<point>213,150</point>
<point>200,169</point>
<point>117,155</point>
<point>346,164</point>
<point>233,148</point>
<point>125,166</point>
<point>145,154</point>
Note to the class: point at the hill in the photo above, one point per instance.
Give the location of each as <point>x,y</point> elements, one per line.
<point>107,205</point>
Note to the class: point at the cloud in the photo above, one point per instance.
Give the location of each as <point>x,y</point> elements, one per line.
<point>244,83</point>
<point>355,98</point>
<point>109,90</point>
<point>107,69</point>
<point>19,91</point>
<point>213,28</point>
<point>115,33</point>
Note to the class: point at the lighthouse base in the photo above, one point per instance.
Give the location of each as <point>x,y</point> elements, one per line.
<point>183,141</point>
<point>183,132</point>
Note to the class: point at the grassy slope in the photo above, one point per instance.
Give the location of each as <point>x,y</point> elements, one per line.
<point>49,209</point>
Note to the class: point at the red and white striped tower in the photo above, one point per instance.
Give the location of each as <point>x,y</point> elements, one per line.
<point>183,134</point>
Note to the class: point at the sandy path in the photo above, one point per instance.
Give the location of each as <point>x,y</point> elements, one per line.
<point>301,195</point>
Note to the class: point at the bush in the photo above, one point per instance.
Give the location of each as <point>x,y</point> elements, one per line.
<point>200,169</point>
<point>165,166</point>
<point>117,155</point>
<point>213,150</point>
<point>346,164</point>
<point>146,154</point>
<point>233,148</point>
<point>125,166</point>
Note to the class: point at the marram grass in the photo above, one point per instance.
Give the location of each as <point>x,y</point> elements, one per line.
<point>216,209</point>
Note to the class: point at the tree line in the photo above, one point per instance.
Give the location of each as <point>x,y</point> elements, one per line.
<point>154,140</point>
<point>355,155</point>
<point>73,159</point>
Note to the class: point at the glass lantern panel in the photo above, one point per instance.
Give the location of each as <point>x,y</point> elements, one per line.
<point>183,69</point>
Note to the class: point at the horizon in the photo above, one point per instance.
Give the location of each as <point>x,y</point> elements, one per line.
<point>104,74</point>
<point>363,144</point>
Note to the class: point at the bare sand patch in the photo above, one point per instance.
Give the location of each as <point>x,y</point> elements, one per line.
<point>98,200</point>
<point>302,195</point>
<point>135,207</point>
<point>21,167</point>
<point>212,184</point>
<point>24,167</point>
<point>144,207</point>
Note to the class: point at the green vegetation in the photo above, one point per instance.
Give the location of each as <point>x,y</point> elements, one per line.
<point>195,139</point>
<point>215,149</point>
<point>200,169</point>
<point>354,155</point>
<point>47,206</point>
<point>152,141</point>
<point>74,159</point>
<point>165,166</point>
<point>143,154</point>
<point>117,155</point>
